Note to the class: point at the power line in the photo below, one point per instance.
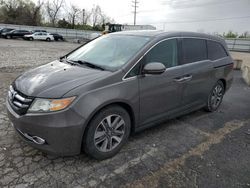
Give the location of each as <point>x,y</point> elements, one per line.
<point>187,4</point>
<point>208,20</point>
<point>204,20</point>
<point>190,5</point>
<point>135,6</point>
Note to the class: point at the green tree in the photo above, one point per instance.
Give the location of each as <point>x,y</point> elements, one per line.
<point>63,23</point>
<point>230,34</point>
<point>20,12</point>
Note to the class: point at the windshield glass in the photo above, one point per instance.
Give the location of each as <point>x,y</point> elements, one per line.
<point>109,51</point>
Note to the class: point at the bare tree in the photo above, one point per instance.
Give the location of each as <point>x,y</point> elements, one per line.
<point>20,12</point>
<point>73,14</point>
<point>52,9</point>
<point>96,12</point>
<point>86,17</point>
<point>10,4</point>
<point>35,13</point>
<point>105,19</point>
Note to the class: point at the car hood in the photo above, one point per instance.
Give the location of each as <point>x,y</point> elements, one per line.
<point>55,79</point>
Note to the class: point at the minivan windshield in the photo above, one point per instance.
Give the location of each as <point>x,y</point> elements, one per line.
<point>110,51</point>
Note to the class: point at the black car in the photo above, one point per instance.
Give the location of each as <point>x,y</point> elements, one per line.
<point>15,34</point>
<point>5,30</point>
<point>57,36</point>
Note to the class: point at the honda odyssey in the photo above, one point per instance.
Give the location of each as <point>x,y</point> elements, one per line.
<point>93,98</point>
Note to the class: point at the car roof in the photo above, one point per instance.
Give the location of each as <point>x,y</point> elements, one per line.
<point>8,28</point>
<point>166,34</point>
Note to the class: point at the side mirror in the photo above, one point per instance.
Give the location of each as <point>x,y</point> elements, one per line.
<point>154,68</point>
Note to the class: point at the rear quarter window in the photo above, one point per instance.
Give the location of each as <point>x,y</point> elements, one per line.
<point>215,50</point>
<point>193,50</point>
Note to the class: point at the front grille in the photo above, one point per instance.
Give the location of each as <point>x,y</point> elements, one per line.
<point>18,101</point>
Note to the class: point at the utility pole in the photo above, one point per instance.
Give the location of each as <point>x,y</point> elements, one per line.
<point>135,6</point>
<point>83,16</point>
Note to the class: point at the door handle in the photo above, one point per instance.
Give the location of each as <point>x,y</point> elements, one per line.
<point>184,78</point>
<point>188,77</point>
<point>179,79</point>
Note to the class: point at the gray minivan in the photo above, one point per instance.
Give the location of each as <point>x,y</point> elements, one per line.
<point>93,98</point>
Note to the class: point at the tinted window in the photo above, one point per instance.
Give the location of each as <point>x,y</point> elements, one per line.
<point>164,52</point>
<point>194,50</point>
<point>215,50</point>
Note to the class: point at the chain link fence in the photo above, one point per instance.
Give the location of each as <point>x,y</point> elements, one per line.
<point>66,33</point>
<point>238,44</point>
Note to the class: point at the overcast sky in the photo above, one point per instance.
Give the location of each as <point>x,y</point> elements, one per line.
<point>191,15</point>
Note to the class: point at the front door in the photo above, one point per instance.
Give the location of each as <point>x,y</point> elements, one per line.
<point>161,94</point>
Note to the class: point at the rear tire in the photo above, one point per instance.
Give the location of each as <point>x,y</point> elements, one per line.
<point>31,38</point>
<point>8,37</point>
<point>48,39</point>
<point>215,97</point>
<point>107,132</point>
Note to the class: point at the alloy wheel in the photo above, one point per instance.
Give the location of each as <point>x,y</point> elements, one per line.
<point>217,96</point>
<point>109,133</point>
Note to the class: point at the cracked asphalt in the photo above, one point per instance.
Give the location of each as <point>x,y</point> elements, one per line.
<point>196,150</point>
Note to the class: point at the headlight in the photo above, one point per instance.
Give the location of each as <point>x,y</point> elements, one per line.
<point>50,105</point>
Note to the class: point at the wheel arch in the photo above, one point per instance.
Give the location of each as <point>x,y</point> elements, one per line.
<point>224,82</point>
<point>122,104</point>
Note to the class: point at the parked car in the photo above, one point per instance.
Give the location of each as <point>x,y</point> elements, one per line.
<point>39,36</point>
<point>97,95</point>
<point>15,34</point>
<point>57,36</point>
<point>39,30</point>
<point>5,30</point>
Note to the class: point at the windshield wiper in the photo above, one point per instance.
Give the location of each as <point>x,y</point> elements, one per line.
<point>64,59</point>
<point>94,66</point>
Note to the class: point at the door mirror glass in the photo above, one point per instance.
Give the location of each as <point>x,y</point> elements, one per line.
<point>154,68</point>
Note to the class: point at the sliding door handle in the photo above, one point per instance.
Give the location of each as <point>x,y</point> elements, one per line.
<point>188,77</point>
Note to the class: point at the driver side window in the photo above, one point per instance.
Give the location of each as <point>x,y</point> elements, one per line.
<point>165,52</point>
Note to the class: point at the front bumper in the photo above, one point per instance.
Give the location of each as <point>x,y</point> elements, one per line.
<point>62,131</point>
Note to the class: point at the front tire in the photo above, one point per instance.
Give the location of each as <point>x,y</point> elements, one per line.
<point>31,38</point>
<point>48,39</point>
<point>215,97</point>
<point>107,132</point>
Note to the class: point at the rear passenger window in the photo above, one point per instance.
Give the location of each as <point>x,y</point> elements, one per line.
<point>165,52</point>
<point>193,50</point>
<point>215,50</point>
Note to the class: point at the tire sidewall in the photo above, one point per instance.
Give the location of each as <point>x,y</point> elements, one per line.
<point>88,140</point>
